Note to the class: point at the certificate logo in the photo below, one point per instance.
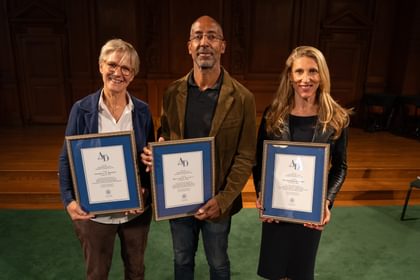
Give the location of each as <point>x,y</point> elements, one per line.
<point>104,157</point>
<point>296,164</point>
<point>182,162</point>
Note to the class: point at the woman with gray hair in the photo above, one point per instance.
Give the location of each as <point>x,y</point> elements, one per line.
<point>111,109</point>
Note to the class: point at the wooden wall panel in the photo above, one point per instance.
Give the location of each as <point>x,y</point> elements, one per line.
<point>270,36</point>
<point>82,60</point>
<point>263,91</point>
<point>308,23</point>
<point>360,8</point>
<point>380,46</point>
<point>155,55</point>
<point>114,19</point>
<point>411,82</point>
<point>369,45</point>
<point>80,39</point>
<point>7,69</point>
<point>155,90</point>
<point>345,61</point>
<point>139,89</point>
<point>403,68</point>
<point>39,46</point>
<point>10,110</point>
<point>80,88</point>
<point>42,67</point>
<point>345,39</point>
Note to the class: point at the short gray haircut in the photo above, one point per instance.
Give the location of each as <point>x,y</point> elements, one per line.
<point>118,45</point>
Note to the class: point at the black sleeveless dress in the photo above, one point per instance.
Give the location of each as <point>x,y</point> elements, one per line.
<point>288,249</point>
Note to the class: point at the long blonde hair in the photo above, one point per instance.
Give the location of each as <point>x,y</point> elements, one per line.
<point>330,113</point>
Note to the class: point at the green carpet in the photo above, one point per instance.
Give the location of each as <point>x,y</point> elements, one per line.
<point>359,243</point>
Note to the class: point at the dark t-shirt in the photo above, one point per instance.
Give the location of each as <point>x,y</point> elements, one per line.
<point>302,128</point>
<point>200,108</point>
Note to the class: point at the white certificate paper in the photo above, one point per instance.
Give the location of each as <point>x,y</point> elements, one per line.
<point>183,179</point>
<point>293,182</point>
<point>105,173</point>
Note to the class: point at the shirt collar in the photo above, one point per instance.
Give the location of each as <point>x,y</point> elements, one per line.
<point>217,86</point>
<point>102,105</point>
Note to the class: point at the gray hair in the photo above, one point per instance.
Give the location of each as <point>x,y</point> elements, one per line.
<point>118,45</point>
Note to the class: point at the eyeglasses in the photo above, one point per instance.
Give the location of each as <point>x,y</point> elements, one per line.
<point>197,37</point>
<point>113,67</point>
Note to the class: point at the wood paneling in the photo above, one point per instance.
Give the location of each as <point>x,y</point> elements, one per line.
<point>39,46</point>
<point>271,28</point>
<point>264,90</point>
<point>346,69</point>
<point>42,67</point>
<point>113,22</point>
<point>28,168</point>
<point>10,105</point>
<point>345,35</point>
<point>50,48</point>
<point>10,112</point>
<point>380,46</point>
<point>410,79</point>
<point>81,35</point>
<point>404,34</point>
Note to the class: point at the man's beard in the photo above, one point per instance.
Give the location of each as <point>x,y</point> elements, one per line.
<point>207,64</point>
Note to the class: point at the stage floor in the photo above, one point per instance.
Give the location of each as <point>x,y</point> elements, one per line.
<point>381,165</point>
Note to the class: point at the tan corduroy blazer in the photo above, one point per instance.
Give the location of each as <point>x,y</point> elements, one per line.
<point>234,129</point>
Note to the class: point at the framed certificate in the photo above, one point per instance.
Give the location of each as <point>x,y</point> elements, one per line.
<point>104,172</point>
<point>294,180</point>
<point>182,176</point>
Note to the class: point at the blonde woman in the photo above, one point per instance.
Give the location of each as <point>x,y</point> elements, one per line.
<point>302,110</point>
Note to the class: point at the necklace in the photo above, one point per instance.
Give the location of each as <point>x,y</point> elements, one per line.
<point>115,105</point>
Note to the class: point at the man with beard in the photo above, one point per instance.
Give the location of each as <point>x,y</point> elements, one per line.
<point>209,102</point>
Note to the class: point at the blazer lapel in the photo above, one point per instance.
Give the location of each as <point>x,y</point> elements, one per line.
<point>181,101</point>
<point>223,104</point>
<point>91,114</point>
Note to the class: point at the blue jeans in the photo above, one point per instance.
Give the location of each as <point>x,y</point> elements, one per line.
<point>185,234</point>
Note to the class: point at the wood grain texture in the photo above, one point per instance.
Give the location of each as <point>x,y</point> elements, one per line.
<point>381,165</point>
